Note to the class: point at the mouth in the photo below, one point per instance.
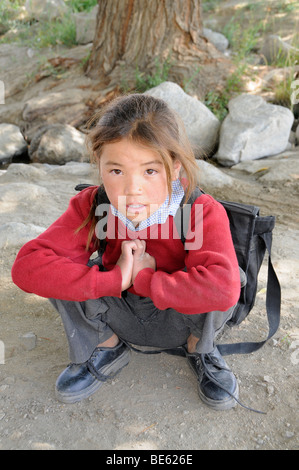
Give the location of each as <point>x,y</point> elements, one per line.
<point>135,208</point>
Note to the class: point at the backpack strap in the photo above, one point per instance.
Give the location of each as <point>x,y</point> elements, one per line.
<point>273,295</point>
<point>273,301</point>
<point>101,195</point>
<point>182,216</point>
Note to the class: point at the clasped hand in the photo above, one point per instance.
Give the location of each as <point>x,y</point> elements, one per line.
<point>133,259</point>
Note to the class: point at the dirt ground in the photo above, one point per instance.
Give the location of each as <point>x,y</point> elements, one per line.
<point>153,403</point>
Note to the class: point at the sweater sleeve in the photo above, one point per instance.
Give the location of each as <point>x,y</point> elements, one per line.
<point>54,265</point>
<point>211,280</point>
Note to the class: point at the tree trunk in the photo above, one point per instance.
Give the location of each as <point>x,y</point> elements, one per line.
<point>142,33</point>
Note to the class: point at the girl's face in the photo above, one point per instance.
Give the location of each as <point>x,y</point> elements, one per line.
<point>134,178</point>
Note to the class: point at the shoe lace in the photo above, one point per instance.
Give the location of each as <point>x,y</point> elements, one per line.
<point>204,360</point>
<point>96,373</point>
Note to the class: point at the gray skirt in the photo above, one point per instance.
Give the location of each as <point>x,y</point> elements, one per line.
<point>136,320</point>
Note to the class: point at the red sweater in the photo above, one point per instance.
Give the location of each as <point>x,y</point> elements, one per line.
<point>54,265</point>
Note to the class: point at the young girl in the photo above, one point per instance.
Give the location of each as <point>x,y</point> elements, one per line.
<point>149,288</point>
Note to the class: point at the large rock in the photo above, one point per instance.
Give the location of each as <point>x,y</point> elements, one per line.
<point>212,177</point>
<point>16,234</point>
<point>17,65</point>
<point>85,25</point>
<point>253,129</point>
<point>46,9</point>
<point>24,172</point>
<point>219,40</point>
<point>47,103</point>
<point>58,144</point>
<point>201,124</point>
<point>12,142</point>
<point>281,169</point>
<point>15,193</point>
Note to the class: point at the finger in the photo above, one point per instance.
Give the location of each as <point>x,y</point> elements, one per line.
<point>141,245</point>
<point>128,246</point>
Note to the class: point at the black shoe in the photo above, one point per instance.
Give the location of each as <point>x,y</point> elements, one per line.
<point>79,381</point>
<point>217,385</point>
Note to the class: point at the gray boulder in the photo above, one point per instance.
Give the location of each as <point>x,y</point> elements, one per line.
<point>212,177</point>
<point>282,168</point>
<point>253,129</point>
<point>219,40</point>
<point>202,126</point>
<point>15,193</point>
<point>12,142</point>
<point>46,9</point>
<point>16,234</point>
<point>58,144</point>
<point>48,103</point>
<point>85,25</point>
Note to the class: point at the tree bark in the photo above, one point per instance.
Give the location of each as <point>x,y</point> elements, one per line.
<point>142,33</point>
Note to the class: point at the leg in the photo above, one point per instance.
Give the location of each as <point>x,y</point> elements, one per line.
<point>217,385</point>
<point>83,326</point>
<point>94,348</point>
<point>143,324</point>
<point>110,343</point>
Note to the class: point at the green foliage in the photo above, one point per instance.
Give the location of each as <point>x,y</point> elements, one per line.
<point>242,40</point>
<point>8,14</point>
<point>159,75</point>
<point>43,33</point>
<point>217,102</point>
<point>250,23</point>
<point>210,5</point>
<point>81,5</point>
<point>51,33</point>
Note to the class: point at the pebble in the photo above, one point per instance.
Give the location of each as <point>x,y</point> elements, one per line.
<point>268,379</point>
<point>270,389</point>
<point>28,340</point>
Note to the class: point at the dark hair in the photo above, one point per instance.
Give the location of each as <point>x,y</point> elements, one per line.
<point>148,121</point>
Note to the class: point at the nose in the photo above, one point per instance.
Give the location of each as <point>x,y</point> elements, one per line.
<point>133,185</point>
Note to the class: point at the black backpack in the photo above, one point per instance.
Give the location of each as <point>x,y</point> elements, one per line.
<point>252,237</point>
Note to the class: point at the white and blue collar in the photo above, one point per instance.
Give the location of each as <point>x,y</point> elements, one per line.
<point>159,216</point>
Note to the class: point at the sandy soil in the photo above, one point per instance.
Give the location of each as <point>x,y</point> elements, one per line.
<point>153,403</point>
